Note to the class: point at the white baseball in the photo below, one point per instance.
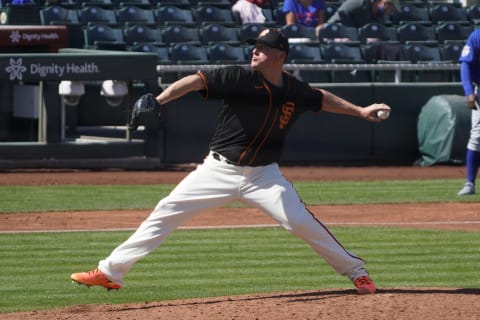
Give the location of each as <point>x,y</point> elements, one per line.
<point>383,114</point>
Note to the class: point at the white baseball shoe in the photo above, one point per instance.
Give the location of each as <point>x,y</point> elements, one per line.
<point>467,189</point>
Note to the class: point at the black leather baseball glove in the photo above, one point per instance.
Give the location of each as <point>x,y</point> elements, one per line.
<point>146,111</point>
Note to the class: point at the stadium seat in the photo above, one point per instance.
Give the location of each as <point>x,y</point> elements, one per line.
<point>341,53</point>
<point>93,14</point>
<point>107,4</point>
<point>188,53</point>
<point>444,12</point>
<point>135,15</point>
<point>303,53</point>
<point>160,51</point>
<point>420,53</point>
<point>249,31</point>
<point>453,31</point>
<point>212,33</point>
<point>410,12</point>
<point>381,52</point>
<point>58,15</point>
<point>216,3</point>
<point>169,15</point>
<point>179,33</point>
<point>298,31</point>
<point>336,32</point>
<point>69,4</point>
<point>450,51</point>
<point>212,14</point>
<point>137,34</point>
<point>473,13</point>
<point>223,53</point>
<point>373,32</point>
<point>145,4</point>
<point>104,37</point>
<point>184,4</point>
<point>416,32</point>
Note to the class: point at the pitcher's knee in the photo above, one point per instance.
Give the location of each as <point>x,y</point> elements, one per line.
<point>301,222</point>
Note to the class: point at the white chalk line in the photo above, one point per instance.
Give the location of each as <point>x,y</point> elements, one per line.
<point>416,223</point>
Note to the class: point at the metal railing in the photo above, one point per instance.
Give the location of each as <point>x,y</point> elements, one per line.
<point>295,68</point>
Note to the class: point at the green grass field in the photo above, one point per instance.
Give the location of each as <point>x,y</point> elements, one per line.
<point>124,197</point>
<point>205,263</point>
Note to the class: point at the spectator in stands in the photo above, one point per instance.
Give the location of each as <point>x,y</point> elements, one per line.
<point>250,11</point>
<point>470,76</point>
<point>357,13</point>
<point>310,13</point>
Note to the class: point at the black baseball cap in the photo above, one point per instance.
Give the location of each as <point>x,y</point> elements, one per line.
<point>272,38</point>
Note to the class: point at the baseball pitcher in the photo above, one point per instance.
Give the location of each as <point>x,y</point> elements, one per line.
<point>261,102</point>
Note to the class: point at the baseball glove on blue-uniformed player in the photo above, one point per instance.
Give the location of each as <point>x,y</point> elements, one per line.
<point>146,111</point>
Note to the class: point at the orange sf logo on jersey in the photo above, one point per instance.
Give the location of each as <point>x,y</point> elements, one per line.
<point>287,109</point>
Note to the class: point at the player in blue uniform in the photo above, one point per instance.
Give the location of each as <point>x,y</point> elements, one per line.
<point>470,75</point>
<point>260,105</point>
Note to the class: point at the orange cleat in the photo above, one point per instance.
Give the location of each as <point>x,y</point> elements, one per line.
<point>365,285</point>
<point>94,278</point>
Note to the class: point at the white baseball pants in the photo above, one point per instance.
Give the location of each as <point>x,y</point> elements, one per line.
<point>215,183</point>
<point>474,139</point>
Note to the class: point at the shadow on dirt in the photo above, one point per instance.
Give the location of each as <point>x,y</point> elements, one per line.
<point>307,296</point>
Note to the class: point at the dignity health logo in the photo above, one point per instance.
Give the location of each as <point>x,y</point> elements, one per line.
<point>15,36</point>
<point>16,69</point>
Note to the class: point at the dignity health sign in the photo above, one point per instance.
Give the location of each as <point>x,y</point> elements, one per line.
<point>17,69</point>
<point>77,66</point>
<point>33,38</point>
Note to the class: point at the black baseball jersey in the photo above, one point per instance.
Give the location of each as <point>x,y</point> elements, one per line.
<point>256,115</point>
